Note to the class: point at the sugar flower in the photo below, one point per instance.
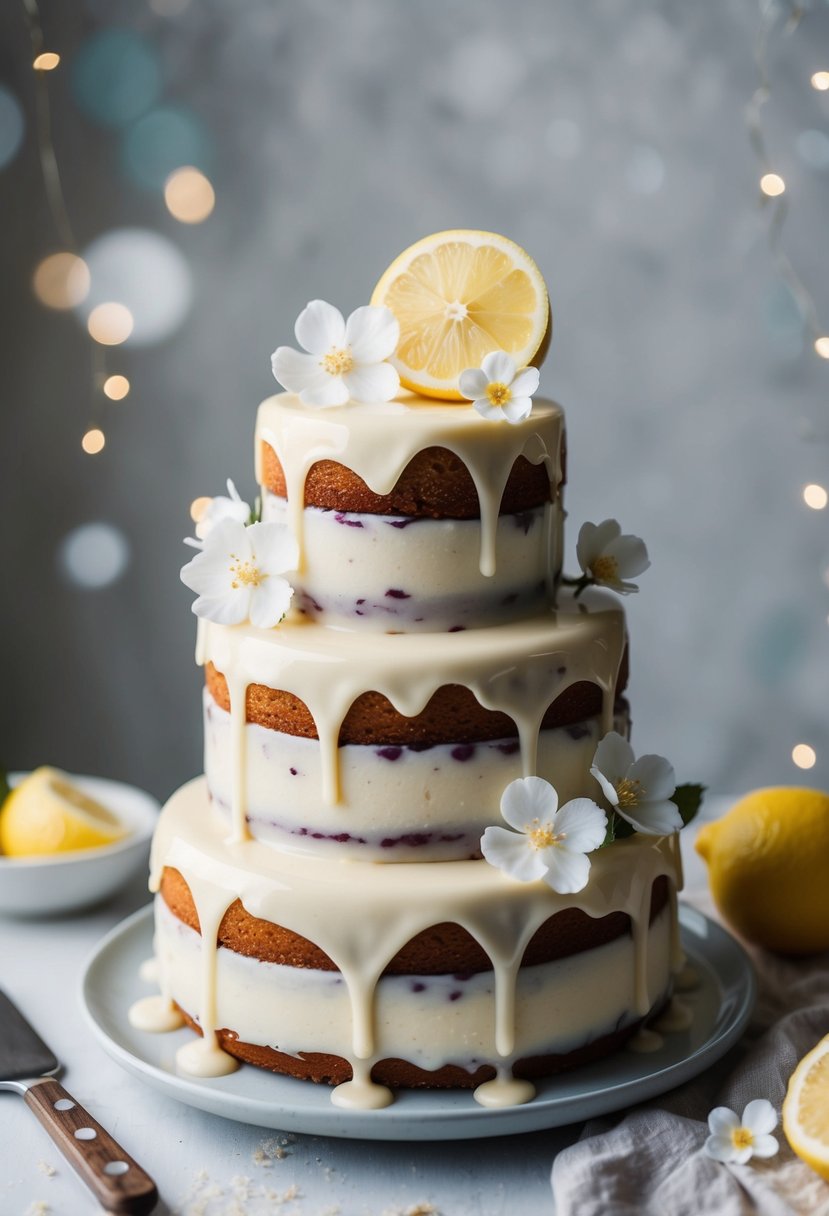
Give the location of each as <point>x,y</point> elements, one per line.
<point>547,843</point>
<point>219,508</point>
<point>237,575</point>
<point>497,390</point>
<point>638,790</point>
<point>609,558</point>
<point>345,359</point>
<point>737,1141</point>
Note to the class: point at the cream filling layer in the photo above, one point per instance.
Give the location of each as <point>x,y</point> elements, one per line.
<point>428,1020</point>
<point>386,572</point>
<point>361,914</point>
<point>396,803</point>
<point>377,442</point>
<point>519,668</point>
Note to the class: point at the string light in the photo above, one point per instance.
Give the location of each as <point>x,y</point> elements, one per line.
<point>189,196</point>
<point>110,323</point>
<point>61,280</point>
<point>822,347</point>
<point>46,61</point>
<point>93,441</point>
<point>772,185</point>
<point>815,497</point>
<point>198,507</point>
<point>804,756</point>
<point>116,387</point>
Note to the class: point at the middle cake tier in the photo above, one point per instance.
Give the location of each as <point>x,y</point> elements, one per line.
<point>397,747</point>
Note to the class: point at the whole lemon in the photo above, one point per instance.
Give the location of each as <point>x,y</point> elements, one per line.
<point>768,866</point>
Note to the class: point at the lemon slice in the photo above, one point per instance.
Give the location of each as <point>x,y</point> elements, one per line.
<point>45,813</point>
<point>457,296</point>
<point>806,1109</point>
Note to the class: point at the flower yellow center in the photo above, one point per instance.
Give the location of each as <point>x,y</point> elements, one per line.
<point>741,1137</point>
<point>498,393</point>
<point>338,361</point>
<point>245,574</point>
<point>606,569</point>
<point>541,835</point>
<point>630,792</point>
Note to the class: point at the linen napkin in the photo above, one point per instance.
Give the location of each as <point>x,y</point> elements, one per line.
<point>650,1162</point>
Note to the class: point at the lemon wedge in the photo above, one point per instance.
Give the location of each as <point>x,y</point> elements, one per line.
<point>45,813</point>
<point>457,296</point>
<point>806,1109</point>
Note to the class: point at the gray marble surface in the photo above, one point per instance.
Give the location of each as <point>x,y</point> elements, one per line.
<point>607,138</point>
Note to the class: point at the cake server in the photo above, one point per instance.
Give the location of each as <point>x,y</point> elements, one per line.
<point>28,1067</point>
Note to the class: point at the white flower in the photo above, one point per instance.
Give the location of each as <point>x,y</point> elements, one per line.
<point>609,558</point>
<point>346,358</point>
<point>496,391</point>
<point>640,790</point>
<point>547,843</point>
<point>219,508</point>
<point>237,574</point>
<point>738,1141</point>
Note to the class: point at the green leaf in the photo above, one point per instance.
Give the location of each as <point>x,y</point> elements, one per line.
<point>617,829</point>
<point>688,799</point>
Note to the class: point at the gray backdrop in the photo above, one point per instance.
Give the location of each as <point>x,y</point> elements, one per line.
<point>608,138</point>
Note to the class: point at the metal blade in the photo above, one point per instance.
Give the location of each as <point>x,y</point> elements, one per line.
<point>22,1052</point>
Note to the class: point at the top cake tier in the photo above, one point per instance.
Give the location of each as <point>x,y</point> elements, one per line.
<point>416,514</point>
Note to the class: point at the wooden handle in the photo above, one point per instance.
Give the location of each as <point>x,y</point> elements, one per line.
<point>119,1184</point>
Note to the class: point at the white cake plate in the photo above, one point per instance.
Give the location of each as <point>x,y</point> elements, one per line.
<point>722,1003</point>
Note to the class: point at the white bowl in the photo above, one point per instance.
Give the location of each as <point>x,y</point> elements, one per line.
<point>40,886</point>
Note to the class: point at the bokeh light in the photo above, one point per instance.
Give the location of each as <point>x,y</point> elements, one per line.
<point>116,77</point>
<point>116,387</point>
<point>804,756</point>
<point>198,507</point>
<point>61,280</point>
<point>94,441</point>
<point>815,496</point>
<point>772,184</point>
<point>93,555</point>
<point>11,126</point>
<point>147,274</point>
<point>161,142</point>
<point>820,81</point>
<point>46,61</point>
<point>189,196</point>
<point>110,323</point>
<point>822,346</point>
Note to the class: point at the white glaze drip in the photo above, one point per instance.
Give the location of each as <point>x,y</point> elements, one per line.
<point>155,1014</point>
<point>349,435</point>
<point>518,668</point>
<point>645,1041</point>
<point>504,1090</point>
<point>148,971</point>
<point>677,1016</point>
<point>339,909</point>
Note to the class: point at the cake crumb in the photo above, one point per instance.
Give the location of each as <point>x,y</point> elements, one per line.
<point>269,1151</point>
<point>416,1209</point>
<point>47,1169</point>
<point>38,1207</point>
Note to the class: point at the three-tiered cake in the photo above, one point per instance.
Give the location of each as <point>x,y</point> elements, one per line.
<point>334,901</point>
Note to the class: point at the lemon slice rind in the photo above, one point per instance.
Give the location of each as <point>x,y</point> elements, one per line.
<point>458,295</point>
<point>812,1071</point>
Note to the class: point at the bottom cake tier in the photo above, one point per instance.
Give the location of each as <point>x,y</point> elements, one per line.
<point>368,976</point>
